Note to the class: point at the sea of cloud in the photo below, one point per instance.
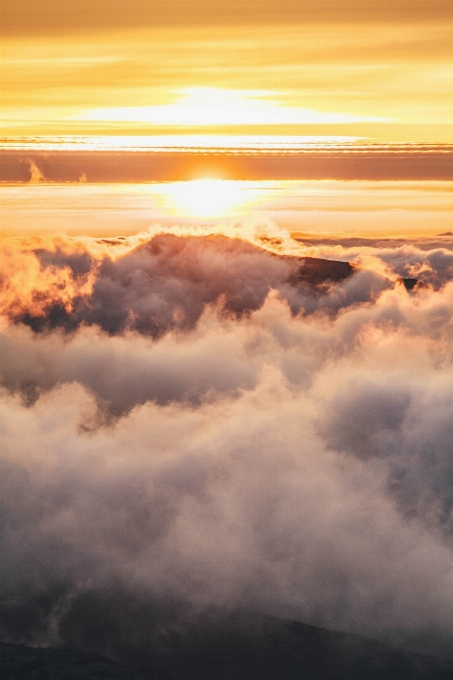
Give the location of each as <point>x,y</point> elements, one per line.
<point>197,423</point>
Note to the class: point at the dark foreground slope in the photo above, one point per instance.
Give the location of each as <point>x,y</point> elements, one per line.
<point>18,662</point>
<point>275,650</point>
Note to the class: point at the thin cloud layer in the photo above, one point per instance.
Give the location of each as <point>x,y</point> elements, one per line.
<point>67,16</point>
<point>207,425</point>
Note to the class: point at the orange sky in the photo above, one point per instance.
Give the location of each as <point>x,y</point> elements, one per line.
<point>356,67</point>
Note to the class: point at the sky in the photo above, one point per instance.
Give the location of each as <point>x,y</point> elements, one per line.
<point>380,70</point>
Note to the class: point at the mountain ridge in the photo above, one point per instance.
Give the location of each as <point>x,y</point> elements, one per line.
<point>263,648</point>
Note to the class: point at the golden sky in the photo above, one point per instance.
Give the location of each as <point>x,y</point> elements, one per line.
<point>378,68</point>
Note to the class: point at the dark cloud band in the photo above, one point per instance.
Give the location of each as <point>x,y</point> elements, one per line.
<point>424,162</point>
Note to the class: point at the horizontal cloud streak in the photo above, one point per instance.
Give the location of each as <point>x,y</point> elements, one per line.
<point>57,16</point>
<point>375,162</point>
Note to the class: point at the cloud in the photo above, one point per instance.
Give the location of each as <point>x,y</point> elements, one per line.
<point>419,162</point>
<point>430,261</point>
<point>56,16</point>
<point>36,175</point>
<point>215,106</point>
<point>206,431</point>
<point>167,282</point>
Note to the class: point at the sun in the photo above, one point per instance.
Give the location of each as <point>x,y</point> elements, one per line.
<point>207,198</point>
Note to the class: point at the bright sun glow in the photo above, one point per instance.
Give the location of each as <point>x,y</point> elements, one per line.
<point>206,198</point>
<point>205,106</point>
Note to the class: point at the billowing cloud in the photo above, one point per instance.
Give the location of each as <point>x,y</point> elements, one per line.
<point>167,282</point>
<point>199,424</point>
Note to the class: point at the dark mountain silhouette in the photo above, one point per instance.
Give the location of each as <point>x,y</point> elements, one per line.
<point>240,648</point>
<point>408,283</point>
<point>18,662</point>
<point>316,271</point>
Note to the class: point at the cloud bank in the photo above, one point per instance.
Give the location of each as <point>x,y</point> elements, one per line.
<point>199,424</point>
<point>416,162</point>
